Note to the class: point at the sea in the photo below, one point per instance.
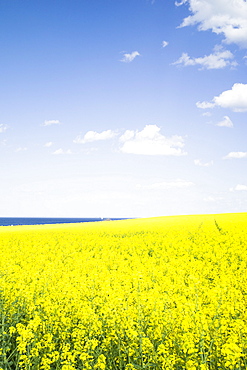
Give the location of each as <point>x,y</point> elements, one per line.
<point>14,221</point>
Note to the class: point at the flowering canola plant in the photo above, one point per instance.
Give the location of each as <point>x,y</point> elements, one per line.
<point>158,293</point>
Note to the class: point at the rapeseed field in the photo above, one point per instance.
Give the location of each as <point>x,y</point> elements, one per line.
<point>158,293</point>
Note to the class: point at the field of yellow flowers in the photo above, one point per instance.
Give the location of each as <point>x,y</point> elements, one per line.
<point>158,293</point>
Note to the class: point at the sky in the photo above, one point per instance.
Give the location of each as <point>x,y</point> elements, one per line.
<point>122,108</point>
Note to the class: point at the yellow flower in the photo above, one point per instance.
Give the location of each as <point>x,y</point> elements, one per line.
<point>168,291</point>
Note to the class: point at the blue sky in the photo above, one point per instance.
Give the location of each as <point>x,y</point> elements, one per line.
<point>119,108</point>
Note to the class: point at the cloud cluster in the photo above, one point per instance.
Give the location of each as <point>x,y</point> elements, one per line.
<point>150,141</point>
<point>228,18</point>
<point>217,60</point>
<point>234,99</point>
<point>127,58</point>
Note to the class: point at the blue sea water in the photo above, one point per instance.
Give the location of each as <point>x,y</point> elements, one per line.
<point>14,221</point>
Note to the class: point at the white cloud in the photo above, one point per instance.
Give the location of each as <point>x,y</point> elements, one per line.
<point>198,162</point>
<point>169,185</point>
<point>48,144</point>
<point>180,3</point>
<point>204,105</point>
<point>235,99</point>
<point>51,122</point>
<point>207,114</point>
<point>3,128</point>
<point>239,187</point>
<point>91,136</point>
<point>219,59</point>
<point>226,122</point>
<point>21,149</point>
<point>221,17</point>
<point>237,155</point>
<point>211,199</point>
<point>3,142</point>
<point>61,151</point>
<point>127,58</point>
<point>164,44</point>
<point>149,141</point>
<point>128,135</point>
